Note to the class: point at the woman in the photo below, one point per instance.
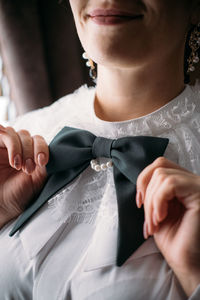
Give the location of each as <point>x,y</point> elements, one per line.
<point>67,250</point>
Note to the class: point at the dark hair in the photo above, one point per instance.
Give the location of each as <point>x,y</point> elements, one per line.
<point>187,55</point>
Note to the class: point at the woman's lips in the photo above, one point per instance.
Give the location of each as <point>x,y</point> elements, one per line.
<point>112,16</point>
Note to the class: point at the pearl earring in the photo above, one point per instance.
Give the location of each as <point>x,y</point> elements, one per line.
<point>194,43</point>
<point>90,64</point>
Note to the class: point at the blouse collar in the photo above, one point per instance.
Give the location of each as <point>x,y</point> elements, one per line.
<point>156,123</point>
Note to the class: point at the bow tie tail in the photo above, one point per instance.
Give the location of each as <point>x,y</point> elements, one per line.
<point>131,219</point>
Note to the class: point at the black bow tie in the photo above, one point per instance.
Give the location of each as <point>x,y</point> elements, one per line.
<point>72,150</point>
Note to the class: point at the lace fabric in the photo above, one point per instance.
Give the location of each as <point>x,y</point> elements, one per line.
<point>97,201</point>
<point>91,197</point>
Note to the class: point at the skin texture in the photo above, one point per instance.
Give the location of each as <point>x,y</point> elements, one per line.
<point>140,68</point>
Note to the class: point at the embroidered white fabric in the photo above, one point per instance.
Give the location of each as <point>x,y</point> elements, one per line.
<point>92,195</point>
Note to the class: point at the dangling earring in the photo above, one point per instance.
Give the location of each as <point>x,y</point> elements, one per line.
<point>90,64</point>
<point>194,44</point>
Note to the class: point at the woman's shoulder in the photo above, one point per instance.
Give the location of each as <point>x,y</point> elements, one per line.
<point>44,121</point>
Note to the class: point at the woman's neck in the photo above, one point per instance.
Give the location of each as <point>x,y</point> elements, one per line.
<point>128,94</point>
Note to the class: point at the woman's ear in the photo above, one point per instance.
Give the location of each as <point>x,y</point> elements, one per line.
<point>195,13</point>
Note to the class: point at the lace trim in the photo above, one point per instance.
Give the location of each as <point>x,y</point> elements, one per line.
<point>167,118</point>
<point>98,200</point>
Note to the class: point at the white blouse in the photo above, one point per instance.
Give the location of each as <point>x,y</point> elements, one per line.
<point>68,249</point>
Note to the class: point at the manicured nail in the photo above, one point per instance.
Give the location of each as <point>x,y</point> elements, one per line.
<point>139,200</point>
<point>29,166</point>
<point>41,159</point>
<point>145,230</point>
<point>17,162</point>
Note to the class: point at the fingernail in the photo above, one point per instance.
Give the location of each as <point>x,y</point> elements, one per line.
<point>29,166</point>
<point>155,221</point>
<point>17,162</point>
<point>139,199</point>
<point>41,159</point>
<point>145,230</point>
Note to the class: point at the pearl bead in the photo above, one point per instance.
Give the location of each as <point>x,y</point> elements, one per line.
<point>103,167</point>
<point>109,164</point>
<point>93,162</point>
<point>84,55</point>
<point>88,64</point>
<point>196,59</point>
<point>191,68</point>
<point>97,168</point>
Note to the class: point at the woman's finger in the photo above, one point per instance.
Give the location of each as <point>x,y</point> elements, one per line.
<point>28,165</point>
<point>153,186</point>
<point>41,150</point>
<point>10,140</point>
<point>145,176</point>
<point>166,186</point>
<point>23,150</point>
<point>150,201</point>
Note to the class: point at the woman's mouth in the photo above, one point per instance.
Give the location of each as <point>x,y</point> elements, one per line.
<point>112,16</point>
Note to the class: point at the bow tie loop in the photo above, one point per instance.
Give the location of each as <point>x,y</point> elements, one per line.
<point>102,147</point>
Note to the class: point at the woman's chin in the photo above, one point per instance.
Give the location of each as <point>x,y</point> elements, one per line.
<point>116,55</point>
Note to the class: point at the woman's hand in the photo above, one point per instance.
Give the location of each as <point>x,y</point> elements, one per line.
<point>22,170</point>
<point>171,198</point>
